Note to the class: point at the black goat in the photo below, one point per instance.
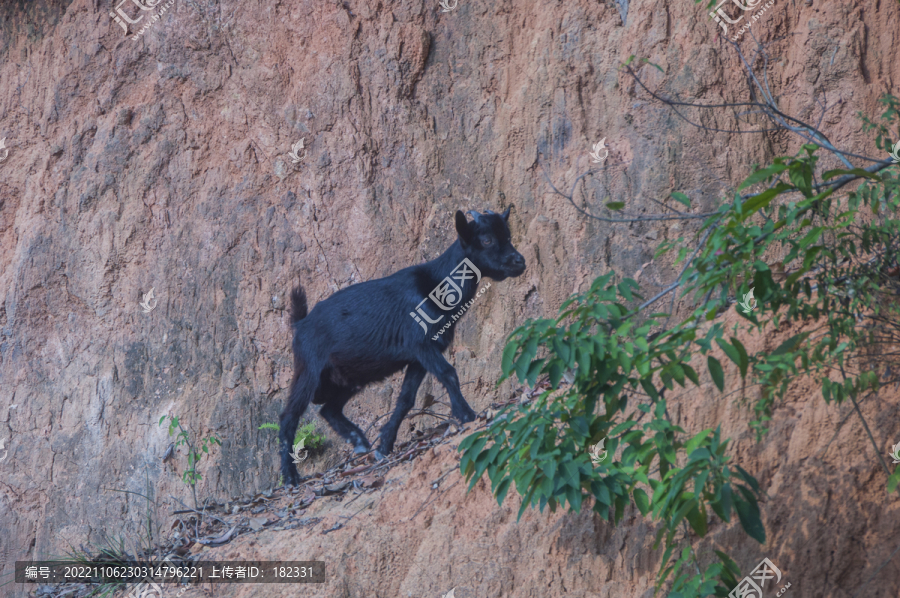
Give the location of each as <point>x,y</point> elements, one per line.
<point>364,333</point>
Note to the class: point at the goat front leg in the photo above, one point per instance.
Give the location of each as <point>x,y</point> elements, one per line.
<point>441,369</point>
<point>415,373</point>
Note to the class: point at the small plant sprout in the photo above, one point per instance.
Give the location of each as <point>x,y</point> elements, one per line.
<point>306,434</point>
<point>190,476</point>
<point>895,453</point>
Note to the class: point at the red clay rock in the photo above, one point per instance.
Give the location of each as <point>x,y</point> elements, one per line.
<point>162,163</point>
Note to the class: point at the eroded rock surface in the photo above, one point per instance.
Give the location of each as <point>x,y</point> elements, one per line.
<point>162,163</point>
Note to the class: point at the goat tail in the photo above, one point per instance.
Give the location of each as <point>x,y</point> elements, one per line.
<point>298,304</point>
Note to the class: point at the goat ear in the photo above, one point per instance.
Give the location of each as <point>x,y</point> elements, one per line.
<point>462,228</point>
<point>505,214</point>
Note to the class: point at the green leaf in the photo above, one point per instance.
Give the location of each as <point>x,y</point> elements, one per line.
<point>700,454</point>
<point>893,480</point>
<point>742,353</point>
<point>761,200</point>
<point>584,360</point>
<point>615,205</point>
<point>801,177</point>
<point>556,372</point>
<point>749,479</point>
<point>694,442</point>
<point>789,344</point>
<point>481,463</point>
<point>502,489</point>
<point>761,175</point>
<point>526,502</point>
<point>506,362</point>
<point>677,372</point>
<point>621,503</point>
<point>730,351</point>
<point>830,174</point>
<point>811,237</point>
<point>697,518</point>
<point>715,370</point>
<point>729,563</point>
<point>561,348</point>
<point>684,199</point>
<point>523,479</point>
<point>689,504</point>
<point>579,426</point>
<point>467,462</point>
<point>670,548</point>
<point>723,506</point>
<point>630,58</point>
<point>601,493</point>
<point>571,474</point>
<point>652,64</point>
<point>666,379</point>
<point>642,501</point>
<point>748,512</point>
<point>621,428</point>
<point>648,387</point>
<point>691,374</point>
<point>533,371</point>
<point>549,469</point>
<point>575,497</point>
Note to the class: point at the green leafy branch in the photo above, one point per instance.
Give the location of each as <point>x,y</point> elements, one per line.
<point>306,434</point>
<point>190,476</point>
<point>831,282</point>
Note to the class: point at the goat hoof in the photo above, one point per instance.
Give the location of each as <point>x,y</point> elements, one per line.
<point>291,478</point>
<point>378,456</point>
<point>466,417</point>
<point>360,450</point>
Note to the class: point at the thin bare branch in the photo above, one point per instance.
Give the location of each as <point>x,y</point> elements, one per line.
<point>674,286</point>
<point>781,120</point>
<point>877,571</point>
<point>571,200</point>
<point>866,426</point>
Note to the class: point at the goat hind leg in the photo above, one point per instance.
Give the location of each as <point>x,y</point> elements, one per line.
<point>301,391</point>
<point>415,373</point>
<point>333,412</point>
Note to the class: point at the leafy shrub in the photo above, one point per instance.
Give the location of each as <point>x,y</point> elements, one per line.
<point>306,433</point>
<point>838,256</point>
<point>190,476</point>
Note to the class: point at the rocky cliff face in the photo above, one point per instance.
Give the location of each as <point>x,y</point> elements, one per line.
<point>160,160</point>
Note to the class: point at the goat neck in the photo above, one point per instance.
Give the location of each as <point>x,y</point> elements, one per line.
<point>442,266</point>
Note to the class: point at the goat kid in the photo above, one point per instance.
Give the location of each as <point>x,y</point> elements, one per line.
<point>364,333</point>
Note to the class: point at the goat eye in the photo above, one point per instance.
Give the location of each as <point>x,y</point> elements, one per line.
<point>487,241</point>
